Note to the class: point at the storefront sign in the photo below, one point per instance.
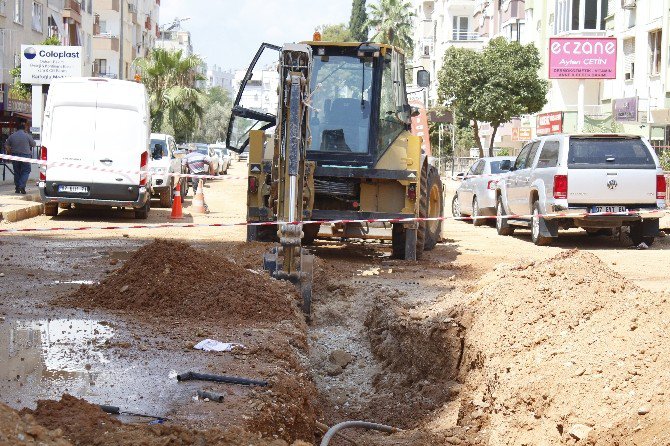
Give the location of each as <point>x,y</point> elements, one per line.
<point>625,110</point>
<point>582,58</point>
<point>549,123</point>
<point>40,64</point>
<point>420,126</point>
<point>522,134</point>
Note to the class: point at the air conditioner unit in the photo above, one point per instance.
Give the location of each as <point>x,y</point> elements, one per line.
<point>628,4</point>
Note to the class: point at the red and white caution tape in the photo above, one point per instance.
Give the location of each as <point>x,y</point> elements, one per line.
<point>341,221</point>
<point>111,170</point>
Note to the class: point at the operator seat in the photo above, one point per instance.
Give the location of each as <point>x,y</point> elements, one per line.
<point>345,125</point>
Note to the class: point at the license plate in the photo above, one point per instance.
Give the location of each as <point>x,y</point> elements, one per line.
<point>617,209</point>
<point>73,189</point>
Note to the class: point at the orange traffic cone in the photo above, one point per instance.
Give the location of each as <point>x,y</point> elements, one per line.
<point>176,204</point>
<point>198,205</point>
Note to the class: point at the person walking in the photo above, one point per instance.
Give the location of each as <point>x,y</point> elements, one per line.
<point>198,164</point>
<point>20,144</point>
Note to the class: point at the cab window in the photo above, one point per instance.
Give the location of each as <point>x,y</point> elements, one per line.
<point>520,162</point>
<point>393,114</point>
<point>532,154</point>
<point>549,155</point>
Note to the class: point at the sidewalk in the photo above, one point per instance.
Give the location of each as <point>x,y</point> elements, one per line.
<point>16,207</point>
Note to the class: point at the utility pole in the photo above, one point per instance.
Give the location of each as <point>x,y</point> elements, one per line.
<point>121,40</point>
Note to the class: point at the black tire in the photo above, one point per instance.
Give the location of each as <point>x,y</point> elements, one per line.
<point>434,209</point>
<point>636,236</point>
<point>143,212</point>
<point>536,223</point>
<point>502,225</point>
<point>310,231</point>
<point>166,198</point>
<point>456,207</point>
<point>476,213</point>
<point>398,241</point>
<point>603,232</point>
<point>51,209</point>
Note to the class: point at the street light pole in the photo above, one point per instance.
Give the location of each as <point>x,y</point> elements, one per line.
<point>121,65</point>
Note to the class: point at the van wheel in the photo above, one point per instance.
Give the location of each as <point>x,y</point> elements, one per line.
<point>143,212</point>
<point>166,198</point>
<point>51,209</point>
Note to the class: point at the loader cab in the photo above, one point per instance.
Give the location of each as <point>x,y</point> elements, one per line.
<point>356,109</point>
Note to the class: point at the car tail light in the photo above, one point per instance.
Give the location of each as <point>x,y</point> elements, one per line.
<point>492,185</point>
<point>43,169</point>
<point>560,186</point>
<point>253,184</point>
<point>411,191</point>
<point>661,185</point>
<point>144,160</point>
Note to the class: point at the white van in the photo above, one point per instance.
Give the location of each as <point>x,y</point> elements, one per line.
<point>99,123</point>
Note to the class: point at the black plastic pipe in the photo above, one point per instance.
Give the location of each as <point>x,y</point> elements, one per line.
<point>194,376</point>
<point>210,396</point>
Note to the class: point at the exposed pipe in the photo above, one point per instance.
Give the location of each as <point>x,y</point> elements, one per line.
<point>210,396</point>
<point>356,424</point>
<point>188,376</point>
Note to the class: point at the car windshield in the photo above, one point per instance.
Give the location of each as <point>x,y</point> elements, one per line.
<point>160,151</point>
<point>495,167</point>
<point>203,151</point>
<point>607,153</point>
<point>340,104</point>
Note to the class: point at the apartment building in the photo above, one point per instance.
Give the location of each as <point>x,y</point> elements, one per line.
<point>123,30</point>
<point>218,77</point>
<point>260,93</point>
<point>176,39</point>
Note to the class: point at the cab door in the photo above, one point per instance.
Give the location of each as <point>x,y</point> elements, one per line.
<point>252,110</point>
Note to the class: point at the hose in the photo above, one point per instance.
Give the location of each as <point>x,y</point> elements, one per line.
<point>359,424</point>
<point>188,376</point>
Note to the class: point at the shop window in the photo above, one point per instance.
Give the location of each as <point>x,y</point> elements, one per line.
<point>655,52</point>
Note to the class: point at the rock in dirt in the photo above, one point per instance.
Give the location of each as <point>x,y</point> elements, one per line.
<point>644,410</point>
<point>333,369</point>
<point>580,431</point>
<point>341,358</point>
<point>203,285</point>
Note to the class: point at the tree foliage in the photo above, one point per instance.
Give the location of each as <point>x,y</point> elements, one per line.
<point>21,90</point>
<point>176,103</point>
<point>335,33</point>
<point>214,123</point>
<point>494,85</point>
<point>358,27</point>
<point>392,21</point>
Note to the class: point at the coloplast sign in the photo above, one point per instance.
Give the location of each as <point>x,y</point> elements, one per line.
<point>582,57</point>
<point>41,64</point>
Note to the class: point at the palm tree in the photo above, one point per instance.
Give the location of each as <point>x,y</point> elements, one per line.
<point>174,99</point>
<point>392,21</point>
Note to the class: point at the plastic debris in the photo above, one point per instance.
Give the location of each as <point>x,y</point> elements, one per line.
<point>211,345</point>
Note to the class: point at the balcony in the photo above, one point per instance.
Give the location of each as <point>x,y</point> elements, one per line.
<point>462,39</point>
<point>147,23</point>
<point>72,9</point>
<point>107,5</point>
<point>105,42</point>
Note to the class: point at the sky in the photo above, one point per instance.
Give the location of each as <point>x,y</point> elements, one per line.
<point>228,32</point>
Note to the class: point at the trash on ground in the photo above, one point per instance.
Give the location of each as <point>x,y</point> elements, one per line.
<point>211,345</point>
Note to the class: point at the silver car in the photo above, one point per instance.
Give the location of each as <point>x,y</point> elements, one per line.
<point>476,196</point>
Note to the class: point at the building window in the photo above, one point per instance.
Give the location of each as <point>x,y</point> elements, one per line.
<point>3,7</point>
<point>655,52</point>
<point>37,17</point>
<point>18,11</point>
<point>460,28</point>
<point>580,15</point>
<point>629,58</point>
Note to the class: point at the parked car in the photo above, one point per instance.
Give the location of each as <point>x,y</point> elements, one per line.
<point>618,175</point>
<point>101,123</point>
<point>224,158</point>
<point>476,196</point>
<point>164,163</point>
<point>244,156</point>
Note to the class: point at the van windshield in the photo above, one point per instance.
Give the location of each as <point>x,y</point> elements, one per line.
<point>608,153</point>
<point>157,147</point>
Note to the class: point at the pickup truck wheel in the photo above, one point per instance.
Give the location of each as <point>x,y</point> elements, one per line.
<point>536,222</point>
<point>143,212</point>
<point>456,207</point>
<point>166,198</point>
<point>476,213</point>
<point>502,226</point>
<point>51,209</point>
<point>636,236</point>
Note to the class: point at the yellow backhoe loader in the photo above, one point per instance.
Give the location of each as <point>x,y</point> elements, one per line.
<point>341,150</point>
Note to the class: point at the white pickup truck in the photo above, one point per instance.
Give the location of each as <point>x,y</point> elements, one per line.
<point>616,179</point>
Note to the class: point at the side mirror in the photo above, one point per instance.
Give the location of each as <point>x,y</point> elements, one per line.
<point>460,176</point>
<point>423,78</point>
<point>415,112</point>
<point>506,165</point>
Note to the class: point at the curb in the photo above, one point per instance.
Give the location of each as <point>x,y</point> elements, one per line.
<point>14,215</point>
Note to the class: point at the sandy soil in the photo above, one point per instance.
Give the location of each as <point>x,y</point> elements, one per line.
<point>487,340</point>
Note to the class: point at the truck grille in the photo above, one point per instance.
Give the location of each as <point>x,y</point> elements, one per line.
<point>340,188</point>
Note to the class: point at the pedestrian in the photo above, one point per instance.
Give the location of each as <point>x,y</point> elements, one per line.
<point>198,164</point>
<point>20,144</point>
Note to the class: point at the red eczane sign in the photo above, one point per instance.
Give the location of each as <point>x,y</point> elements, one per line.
<point>549,123</point>
<point>420,126</point>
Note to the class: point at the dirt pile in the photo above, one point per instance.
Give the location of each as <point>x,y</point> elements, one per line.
<point>168,278</point>
<point>566,351</point>
<point>85,424</point>
<point>17,429</point>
